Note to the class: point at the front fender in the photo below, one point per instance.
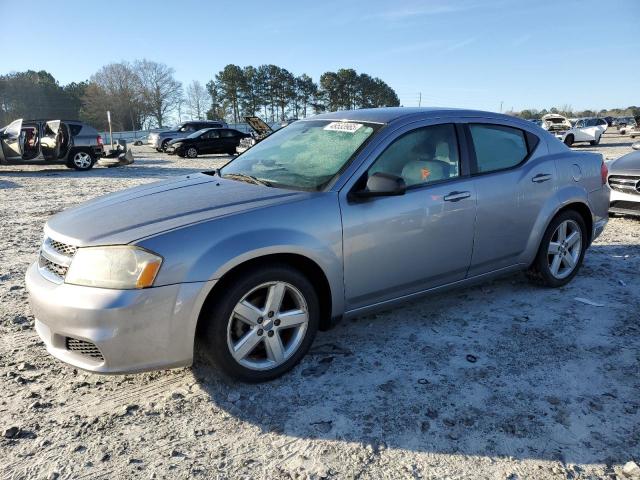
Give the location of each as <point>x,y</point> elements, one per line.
<point>208,250</point>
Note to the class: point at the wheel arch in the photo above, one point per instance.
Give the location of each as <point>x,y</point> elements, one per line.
<point>304,264</point>
<point>568,199</point>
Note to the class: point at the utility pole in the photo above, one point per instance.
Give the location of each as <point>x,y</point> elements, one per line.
<point>420,99</point>
<point>501,106</point>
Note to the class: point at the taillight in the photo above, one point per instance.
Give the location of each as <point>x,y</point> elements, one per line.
<point>100,140</point>
<point>604,172</point>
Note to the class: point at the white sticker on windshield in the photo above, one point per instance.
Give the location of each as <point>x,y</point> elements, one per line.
<point>343,127</point>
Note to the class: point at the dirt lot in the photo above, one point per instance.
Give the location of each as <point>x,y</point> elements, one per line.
<point>500,381</point>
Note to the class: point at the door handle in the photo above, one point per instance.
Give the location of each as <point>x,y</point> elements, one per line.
<point>541,177</point>
<point>456,196</point>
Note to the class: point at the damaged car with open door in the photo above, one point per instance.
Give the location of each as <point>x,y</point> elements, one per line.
<point>261,131</point>
<point>45,142</point>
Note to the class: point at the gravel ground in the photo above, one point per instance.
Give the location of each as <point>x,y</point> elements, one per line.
<point>501,381</point>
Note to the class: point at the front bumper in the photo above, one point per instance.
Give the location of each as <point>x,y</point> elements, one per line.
<point>133,330</point>
<point>624,203</point>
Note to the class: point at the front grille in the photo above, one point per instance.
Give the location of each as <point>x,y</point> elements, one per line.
<point>58,270</point>
<point>63,248</point>
<point>55,258</point>
<point>625,183</point>
<point>84,348</point>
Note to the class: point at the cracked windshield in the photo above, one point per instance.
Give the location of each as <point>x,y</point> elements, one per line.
<point>306,155</point>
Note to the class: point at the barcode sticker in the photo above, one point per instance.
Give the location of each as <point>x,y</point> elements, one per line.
<point>343,127</point>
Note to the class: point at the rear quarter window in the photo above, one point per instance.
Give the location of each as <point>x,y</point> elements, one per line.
<point>75,129</point>
<point>498,147</point>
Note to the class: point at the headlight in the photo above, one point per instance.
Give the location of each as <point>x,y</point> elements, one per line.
<point>122,267</point>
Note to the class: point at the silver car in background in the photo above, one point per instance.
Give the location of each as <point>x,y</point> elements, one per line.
<point>330,217</point>
<point>624,180</point>
<point>44,142</point>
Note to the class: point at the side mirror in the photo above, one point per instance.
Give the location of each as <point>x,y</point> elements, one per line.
<point>383,185</point>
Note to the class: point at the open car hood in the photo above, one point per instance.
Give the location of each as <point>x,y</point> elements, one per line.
<point>258,125</point>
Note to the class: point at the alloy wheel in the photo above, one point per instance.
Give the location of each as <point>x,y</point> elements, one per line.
<point>192,153</point>
<point>82,160</point>
<point>267,326</point>
<point>564,249</point>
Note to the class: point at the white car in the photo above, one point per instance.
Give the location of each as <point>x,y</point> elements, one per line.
<point>555,124</point>
<point>585,130</point>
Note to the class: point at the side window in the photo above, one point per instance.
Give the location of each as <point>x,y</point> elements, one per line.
<point>227,133</point>
<point>422,156</point>
<point>75,129</point>
<point>213,134</point>
<point>497,147</point>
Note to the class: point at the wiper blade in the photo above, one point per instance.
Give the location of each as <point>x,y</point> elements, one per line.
<point>245,177</point>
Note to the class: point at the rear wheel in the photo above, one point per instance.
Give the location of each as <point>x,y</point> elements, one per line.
<point>81,160</point>
<point>596,141</point>
<point>561,251</point>
<point>262,324</point>
<point>164,145</point>
<point>568,140</point>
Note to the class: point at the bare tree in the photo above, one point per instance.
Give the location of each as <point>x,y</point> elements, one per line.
<point>198,100</point>
<point>160,91</point>
<point>115,87</point>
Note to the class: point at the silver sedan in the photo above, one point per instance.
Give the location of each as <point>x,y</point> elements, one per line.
<point>330,217</point>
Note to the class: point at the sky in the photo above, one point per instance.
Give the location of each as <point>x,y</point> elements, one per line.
<point>490,54</point>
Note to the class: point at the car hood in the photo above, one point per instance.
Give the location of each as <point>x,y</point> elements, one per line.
<point>258,125</point>
<point>139,212</point>
<point>626,163</point>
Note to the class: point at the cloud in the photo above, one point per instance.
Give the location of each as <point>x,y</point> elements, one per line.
<point>418,11</point>
<point>461,44</point>
<point>521,39</point>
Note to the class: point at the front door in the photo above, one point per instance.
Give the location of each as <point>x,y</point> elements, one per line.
<point>12,141</point>
<point>399,245</point>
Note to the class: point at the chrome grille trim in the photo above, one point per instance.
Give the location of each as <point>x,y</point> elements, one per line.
<point>625,183</point>
<point>55,259</point>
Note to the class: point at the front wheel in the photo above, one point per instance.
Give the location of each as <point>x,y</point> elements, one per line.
<point>561,251</point>
<point>192,152</point>
<point>81,160</point>
<point>262,324</point>
<point>568,141</point>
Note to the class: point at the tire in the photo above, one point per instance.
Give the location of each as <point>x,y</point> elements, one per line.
<point>159,150</point>
<point>596,141</point>
<point>81,160</point>
<point>165,143</point>
<point>544,270</point>
<point>568,140</point>
<point>191,152</point>
<point>224,330</point>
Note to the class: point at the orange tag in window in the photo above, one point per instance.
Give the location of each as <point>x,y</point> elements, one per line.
<point>425,173</point>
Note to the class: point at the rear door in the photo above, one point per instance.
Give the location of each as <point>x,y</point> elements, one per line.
<point>228,140</point>
<point>51,141</point>
<point>12,141</point>
<point>513,178</point>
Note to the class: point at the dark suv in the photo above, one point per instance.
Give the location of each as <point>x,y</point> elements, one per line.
<point>42,142</point>
<point>160,140</point>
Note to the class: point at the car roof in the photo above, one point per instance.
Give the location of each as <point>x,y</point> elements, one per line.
<point>390,114</point>
<point>53,119</point>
